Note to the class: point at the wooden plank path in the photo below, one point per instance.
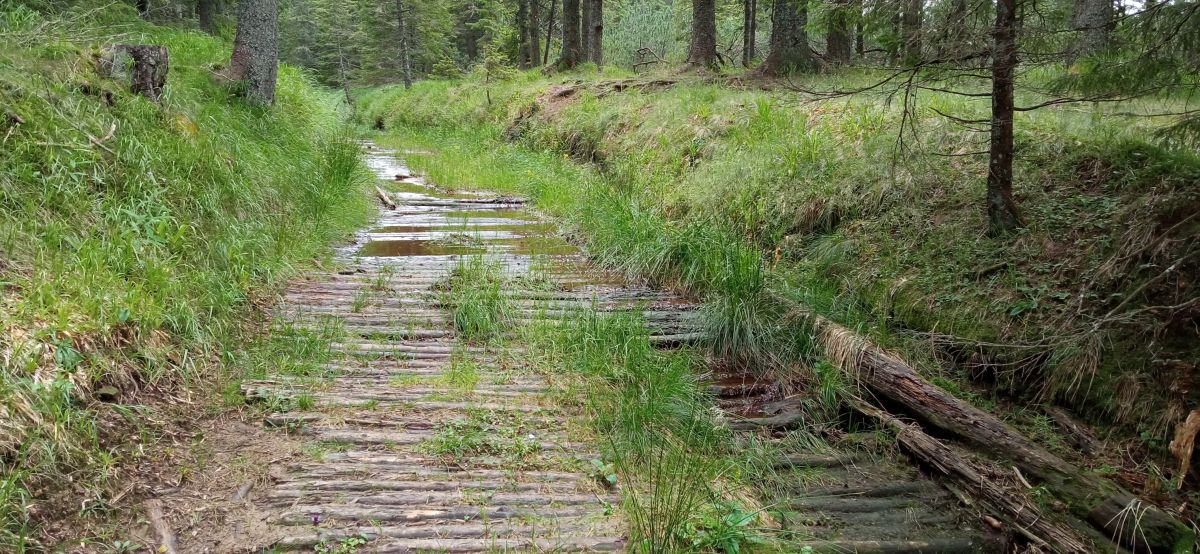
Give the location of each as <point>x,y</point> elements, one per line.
<point>372,473</point>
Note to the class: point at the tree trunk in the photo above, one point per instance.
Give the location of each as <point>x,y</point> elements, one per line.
<point>749,30</point>
<point>703,51</point>
<point>954,29</point>
<point>572,48</point>
<point>147,66</point>
<point>524,60</point>
<point>1096,500</point>
<point>549,33</point>
<point>402,36</point>
<point>895,46</point>
<point>911,23</point>
<point>206,12</point>
<point>535,32</point>
<point>593,34</point>
<point>343,75</point>
<point>789,40</point>
<point>1094,19</point>
<point>860,46</point>
<point>586,6</point>
<point>1002,209</point>
<point>837,40</point>
<point>255,59</point>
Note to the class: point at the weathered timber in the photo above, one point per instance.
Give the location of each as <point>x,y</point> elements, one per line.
<point>166,537</point>
<point>932,546</point>
<point>1022,513</point>
<point>1121,516</point>
<point>384,198</point>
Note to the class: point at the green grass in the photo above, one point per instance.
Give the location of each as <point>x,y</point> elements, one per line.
<point>137,237</point>
<point>485,434</point>
<point>754,201</point>
<point>687,484</point>
<point>473,297</point>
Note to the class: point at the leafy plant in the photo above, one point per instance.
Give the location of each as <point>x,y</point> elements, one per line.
<point>344,545</point>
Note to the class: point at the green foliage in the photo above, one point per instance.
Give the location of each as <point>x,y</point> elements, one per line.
<point>344,545</point>
<point>487,434</point>
<point>721,527</point>
<point>136,235</point>
<point>473,295</point>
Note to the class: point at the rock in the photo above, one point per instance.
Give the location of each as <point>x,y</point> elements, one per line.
<point>108,393</point>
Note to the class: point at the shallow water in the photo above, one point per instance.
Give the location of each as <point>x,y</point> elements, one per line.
<point>431,222</point>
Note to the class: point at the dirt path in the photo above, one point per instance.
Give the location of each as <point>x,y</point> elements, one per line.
<point>402,457</point>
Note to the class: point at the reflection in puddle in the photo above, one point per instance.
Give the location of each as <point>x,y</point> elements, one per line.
<point>522,230</point>
<point>528,246</point>
<point>403,248</point>
<point>499,213</point>
<point>422,228</point>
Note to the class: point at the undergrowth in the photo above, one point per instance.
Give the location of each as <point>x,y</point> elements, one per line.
<point>136,239</point>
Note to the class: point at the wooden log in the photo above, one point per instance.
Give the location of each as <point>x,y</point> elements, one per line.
<point>384,198</point>
<point>144,66</point>
<point>931,546</point>
<point>1023,514</point>
<point>166,538</point>
<point>807,460</point>
<point>1079,434</point>
<point>1118,514</point>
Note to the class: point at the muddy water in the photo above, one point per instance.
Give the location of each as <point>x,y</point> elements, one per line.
<point>433,222</point>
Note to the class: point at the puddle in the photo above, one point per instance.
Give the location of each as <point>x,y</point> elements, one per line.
<point>498,213</point>
<point>518,229</point>
<point>415,188</point>
<point>528,246</point>
<point>405,248</point>
<point>430,229</point>
<point>404,186</point>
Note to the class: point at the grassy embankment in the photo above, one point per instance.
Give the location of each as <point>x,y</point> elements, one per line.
<point>136,240</point>
<point>747,197</point>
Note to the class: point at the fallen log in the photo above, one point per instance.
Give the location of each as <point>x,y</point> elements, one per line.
<point>1119,515</point>
<point>1083,438</point>
<point>384,198</point>
<point>932,546</point>
<point>1024,515</point>
<point>166,538</point>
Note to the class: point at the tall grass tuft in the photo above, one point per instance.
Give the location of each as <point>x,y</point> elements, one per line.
<point>473,296</point>
<point>674,460</point>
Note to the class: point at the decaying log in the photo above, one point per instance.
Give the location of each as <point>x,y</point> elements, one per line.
<point>166,538</point>
<point>1079,434</point>
<point>1024,515</point>
<point>145,66</point>
<point>1118,514</point>
<point>384,198</point>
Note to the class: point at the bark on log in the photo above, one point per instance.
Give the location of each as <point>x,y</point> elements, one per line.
<point>1079,434</point>
<point>384,198</point>
<point>166,538</point>
<point>1023,515</point>
<point>1118,514</point>
<point>144,66</point>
